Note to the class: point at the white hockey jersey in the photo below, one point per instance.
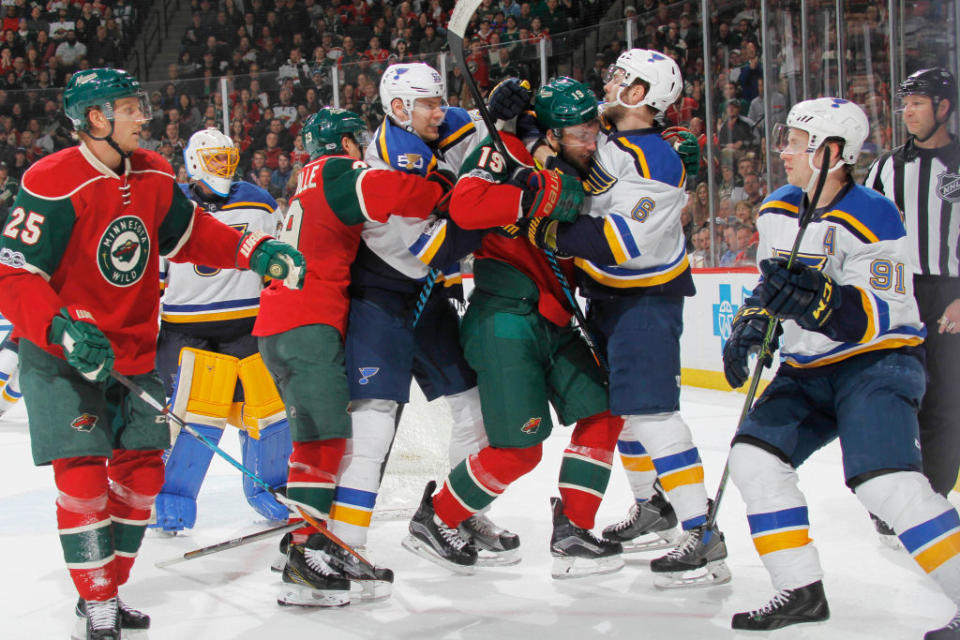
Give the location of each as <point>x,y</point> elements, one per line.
<point>858,240</point>
<point>400,240</point>
<point>195,293</point>
<point>636,184</point>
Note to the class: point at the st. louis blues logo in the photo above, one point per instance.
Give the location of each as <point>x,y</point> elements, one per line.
<point>368,372</point>
<point>948,186</point>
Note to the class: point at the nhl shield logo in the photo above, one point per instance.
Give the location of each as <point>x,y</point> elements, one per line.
<point>531,426</point>
<point>123,251</point>
<point>84,422</point>
<point>948,186</point>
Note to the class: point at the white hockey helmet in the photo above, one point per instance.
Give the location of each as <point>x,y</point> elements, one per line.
<point>656,69</point>
<point>212,158</point>
<point>408,82</point>
<point>824,118</point>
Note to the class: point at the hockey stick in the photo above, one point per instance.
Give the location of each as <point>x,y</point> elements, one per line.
<point>292,505</point>
<point>424,295</point>
<point>456,28</point>
<point>765,351</point>
<point>229,544</point>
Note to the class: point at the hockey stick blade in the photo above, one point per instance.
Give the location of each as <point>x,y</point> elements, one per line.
<point>293,505</point>
<point>229,544</point>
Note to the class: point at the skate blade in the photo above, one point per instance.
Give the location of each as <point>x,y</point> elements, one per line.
<point>712,574</point>
<point>295,595</point>
<point>653,541</point>
<point>425,551</point>
<point>279,562</point>
<point>507,558</point>
<point>79,631</point>
<point>567,567</point>
<point>370,590</point>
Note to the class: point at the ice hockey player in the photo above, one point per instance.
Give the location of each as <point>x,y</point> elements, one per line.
<point>209,313</point>
<point>517,337</point>
<point>395,268</point>
<point>9,369</point>
<point>300,335</point>
<point>632,265</point>
<point>80,257</point>
<point>851,368</point>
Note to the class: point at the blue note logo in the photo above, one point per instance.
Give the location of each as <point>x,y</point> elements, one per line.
<point>368,372</point>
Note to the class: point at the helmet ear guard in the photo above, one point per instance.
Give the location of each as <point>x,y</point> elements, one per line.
<point>323,132</point>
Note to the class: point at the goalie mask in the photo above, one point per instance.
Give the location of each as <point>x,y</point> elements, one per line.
<point>659,71</point>
<point>212,158</point>
<point>409,82</point>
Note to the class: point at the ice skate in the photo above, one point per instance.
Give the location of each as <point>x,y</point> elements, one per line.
<point>791,606</point>
<point>496,547</point>
<point>885,533</point>
<point>130,618</point>
<point>365,584</point>
<point>697,561</point>
<point>433,540</point>
<point>649,526</point>
<point>101,621</point>
<point>949,632</point>
<point>578,552</point>
<point>310,580</point>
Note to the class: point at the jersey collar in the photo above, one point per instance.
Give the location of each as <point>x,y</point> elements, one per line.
<point>99,166</point>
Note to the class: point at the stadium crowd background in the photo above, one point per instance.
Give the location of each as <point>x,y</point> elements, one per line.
<point>279,57</point>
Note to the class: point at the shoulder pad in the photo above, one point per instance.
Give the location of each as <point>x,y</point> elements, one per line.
<point>868,215</point>
<point>403,150</point>
<point>784,201</point>
<point>249,192</point>
<point>59,175</point>
<point>455,127</point>
<point>653,156</point>
<point>143,160</point>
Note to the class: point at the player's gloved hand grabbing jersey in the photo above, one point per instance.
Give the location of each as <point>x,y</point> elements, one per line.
<point>800,293</point>
<point>267,256</point>
<point>84,345</point>
<point>447,181</point>
<point>548,194</point>
<point>509,99</point>
<point>686,146</point>
<point>746,336</point>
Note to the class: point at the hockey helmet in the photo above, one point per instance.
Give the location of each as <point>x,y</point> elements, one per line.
<point>564,102</point>
<point>658,70</point>
<point>824,118</point>
<point>936,83</point>
<point>323,131</point>
<point>100,88</point>
<point>408,82</point>
<point>212,158</point>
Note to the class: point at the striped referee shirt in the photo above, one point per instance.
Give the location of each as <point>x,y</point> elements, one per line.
<point>925,185</point>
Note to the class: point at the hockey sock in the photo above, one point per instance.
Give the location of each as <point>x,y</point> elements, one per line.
<point>135,480</point>
<point>476,482</point>
<point>926,523</point>
<point>467,434</point>
<point>83,520</point>
<point>777,514</point>
<point>585,470</point>
<point>668,440</point>
<point>638,465</point>
<point>313,476</point>
<point>10,393</point>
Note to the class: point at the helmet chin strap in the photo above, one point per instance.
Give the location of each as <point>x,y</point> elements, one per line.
<point>933,130</point>
<point>816,171</point>
<point>110,141</point>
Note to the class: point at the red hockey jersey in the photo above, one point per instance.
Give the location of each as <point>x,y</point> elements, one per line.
<point>79,234</point>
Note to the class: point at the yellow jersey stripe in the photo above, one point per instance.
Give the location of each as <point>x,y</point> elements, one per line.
<point>782,540</point>
<point>429,251</point>
<point>211,316</point>
<point>641,157</point>
<point>780,204</point>
<point>613,239</point>
<point>248,205</point>
<point>853,222</point>
<point>630,282</point>
<point>935,555</point>
<point>892,343</point>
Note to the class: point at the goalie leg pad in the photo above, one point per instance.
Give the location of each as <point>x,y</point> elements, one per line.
<point>267,457</point>
<point>186,466</point>
<point>468,434</point>
<point>777,515</point>
<point>135,479</point>
<point>477,481</point>
<point>374,423</point>
<point>84,524</point>
<point>668,440</point>
<point>585,469</point>
<point>926,523</point>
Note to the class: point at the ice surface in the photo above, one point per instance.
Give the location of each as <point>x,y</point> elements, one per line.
<point>874,592</point>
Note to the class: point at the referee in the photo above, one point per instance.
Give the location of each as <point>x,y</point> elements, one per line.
<point>923,178</point>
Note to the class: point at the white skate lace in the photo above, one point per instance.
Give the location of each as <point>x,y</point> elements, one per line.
<point>450,536</point>
<point>102,614</point>
<point>690,542</point>
<point>318,561</point>
<point>955,623</point>
<point>627,522</point>
<point>779,599</point>
<point>482,524</point>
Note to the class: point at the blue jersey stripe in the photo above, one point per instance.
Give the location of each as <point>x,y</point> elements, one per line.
<point>686,458</point>
<point>773,520</point>
<point>631,448</point>
<point>226,304</point>
<point>917,536</point>
<point>355,497</point>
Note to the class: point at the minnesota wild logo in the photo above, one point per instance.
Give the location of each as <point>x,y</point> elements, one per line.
<point>123,251</point>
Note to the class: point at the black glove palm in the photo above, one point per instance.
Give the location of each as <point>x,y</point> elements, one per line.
<point>749,327</point>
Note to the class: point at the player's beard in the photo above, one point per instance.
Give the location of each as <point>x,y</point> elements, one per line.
<point>613,112</point>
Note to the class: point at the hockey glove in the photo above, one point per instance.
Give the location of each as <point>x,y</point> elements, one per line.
<point>548,194</point>
<point>686,145</point>
<point>270,257</point>
<point>447,181</point>
<point>84,345</point>
<point>542,233</point>
<point>746,336</point>
<point>509,99</point>
<point>800,293</point>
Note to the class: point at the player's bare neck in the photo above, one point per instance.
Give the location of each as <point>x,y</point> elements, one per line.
<point>836,181</point>
<point>634,119</point>
<point>105,154</point>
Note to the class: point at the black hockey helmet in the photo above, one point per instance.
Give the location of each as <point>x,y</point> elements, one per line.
<point>937,83</point>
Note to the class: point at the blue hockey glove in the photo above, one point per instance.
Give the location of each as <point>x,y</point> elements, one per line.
<point>84,345</point>
<point>509,99</point>
<point>270,257</point>
<point>800,293</point>
<point>749,327</point>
